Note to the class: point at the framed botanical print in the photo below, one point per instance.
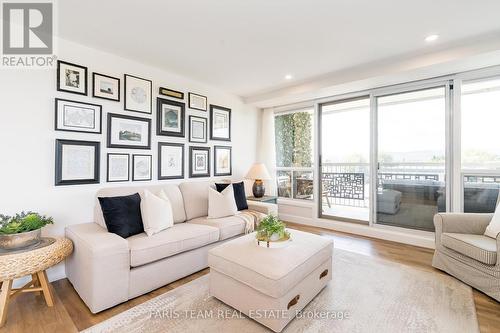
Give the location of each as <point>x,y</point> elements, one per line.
<point>197,102</point>
<point>141,167</point>
<point>171,93</point>
<point>138,94</point>
<point>73,116</point>
<point>106,87</point>
<point>77,162</point>
<point>118,168</point>
<point>170,160</point>
<point>170,118</point>
<point>222,161</point>
<point>71,78</point>
<point>197,129</point>
<point>128,132</point>
<point>220,123</point>
<point>199,162</point>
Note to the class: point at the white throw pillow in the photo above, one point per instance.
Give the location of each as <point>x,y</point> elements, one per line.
<point>221,204</point>
<point>156,212</point>
<point>493,228</point>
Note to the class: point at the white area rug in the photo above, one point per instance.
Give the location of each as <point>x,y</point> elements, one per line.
<point>372,295</point>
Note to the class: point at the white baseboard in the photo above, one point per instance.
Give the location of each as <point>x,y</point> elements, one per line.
<point>400,235</point>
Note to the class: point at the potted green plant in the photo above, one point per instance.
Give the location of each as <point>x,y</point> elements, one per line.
<point>21,230</point>
<point>271,229</point>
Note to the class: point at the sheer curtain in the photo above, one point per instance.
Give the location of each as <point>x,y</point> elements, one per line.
<point>266,152</point>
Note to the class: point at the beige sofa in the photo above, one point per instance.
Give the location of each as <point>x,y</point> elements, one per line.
<point>106,269</point>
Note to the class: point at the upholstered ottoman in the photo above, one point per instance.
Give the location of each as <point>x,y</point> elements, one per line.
<point>270,285</point>
<point>388,201</point>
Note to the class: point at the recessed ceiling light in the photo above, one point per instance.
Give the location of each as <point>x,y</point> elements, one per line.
<point>431,38</point>
<point>288,77</point>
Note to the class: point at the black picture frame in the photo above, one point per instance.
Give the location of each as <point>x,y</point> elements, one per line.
<point>205,129</point>
<point>85,69</point>
<point>134,179</point>
<point>170,144</point>
<point>127,108</point>
<point>57,126</point>
<point>109,77</point>
<point>171,93</point>
<point>108,164</point>
<point>192,150</point>
<point>216,148</point>
<point>190,97</point>
<point>59,181</point>
<point>139,119</point>
<point>159,117</point>
<point>213,109</point>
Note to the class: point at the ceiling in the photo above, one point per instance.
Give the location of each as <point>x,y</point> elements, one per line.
<point>246,47</point>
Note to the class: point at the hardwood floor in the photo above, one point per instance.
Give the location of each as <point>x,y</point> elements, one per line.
<point>29,313</point>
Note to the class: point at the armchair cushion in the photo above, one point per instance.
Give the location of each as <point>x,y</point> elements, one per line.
<point>478,247</point>
<point>493,229</point>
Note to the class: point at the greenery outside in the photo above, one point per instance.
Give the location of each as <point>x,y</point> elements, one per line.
<point>293,136</point>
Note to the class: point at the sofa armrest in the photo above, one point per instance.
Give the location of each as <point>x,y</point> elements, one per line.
<point>99,266</point>
<point>263,207</point>
<point>463,223</point>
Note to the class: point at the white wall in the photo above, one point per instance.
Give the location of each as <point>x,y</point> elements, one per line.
<point>27,135</point>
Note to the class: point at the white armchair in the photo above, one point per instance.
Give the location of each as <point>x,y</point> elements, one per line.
<point>462,250</point>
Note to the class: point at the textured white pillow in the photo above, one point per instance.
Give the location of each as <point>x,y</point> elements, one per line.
<point>493,228</point>
<point>156,212</point>
<point>221,204</point>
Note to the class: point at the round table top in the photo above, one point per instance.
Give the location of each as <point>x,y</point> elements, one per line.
<point>22,263</point>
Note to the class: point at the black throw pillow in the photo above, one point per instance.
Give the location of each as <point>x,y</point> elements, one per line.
<point>239,194</point>
<point>123,214</point>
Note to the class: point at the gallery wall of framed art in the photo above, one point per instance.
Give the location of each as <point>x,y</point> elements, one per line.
<point>187,128</point>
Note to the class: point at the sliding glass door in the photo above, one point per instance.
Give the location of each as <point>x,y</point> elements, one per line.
<point>411,158</point>
<point>345,159</point>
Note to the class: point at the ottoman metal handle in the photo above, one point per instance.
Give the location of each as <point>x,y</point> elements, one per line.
<point>294,301</point>
<point>323,274</point>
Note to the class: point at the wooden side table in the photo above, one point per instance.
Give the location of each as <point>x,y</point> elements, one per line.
<point>266,198</point>
<point>32,261</point>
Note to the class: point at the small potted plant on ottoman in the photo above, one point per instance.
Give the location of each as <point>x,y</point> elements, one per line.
<point>271,232</point>
<point>21,230</point>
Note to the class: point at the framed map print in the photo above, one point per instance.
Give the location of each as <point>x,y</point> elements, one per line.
<point>197,129</point>
<point>199,162</point>
<point>138,94</point>
<point>220,123</point>
<point>170,160</point>
<point>77,162</point>
<point>197,102</point>
<point>141,167</point>
<point>170,118</point>
<point>73,116</point>
<point>118,168</point>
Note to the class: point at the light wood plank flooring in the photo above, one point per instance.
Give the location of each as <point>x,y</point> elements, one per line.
<point>28,312</point>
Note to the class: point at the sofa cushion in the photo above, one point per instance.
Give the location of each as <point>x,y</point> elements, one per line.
<point>122,214</point>
<point>156,212</point>
<point>221,204</point>
<point>239,193</point>
<point>478,247</point>
<point>493,229</point>
<point>172,192</point>
<point>229,226</point>
<point>179,238</point>
<point>195,195</point>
